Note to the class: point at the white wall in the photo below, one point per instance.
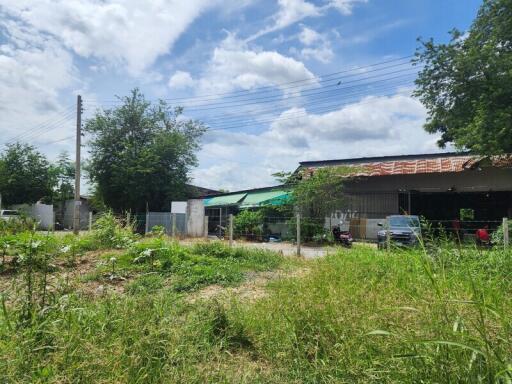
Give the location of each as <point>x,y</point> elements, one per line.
<point>43,213</point>
<point>195,218</point>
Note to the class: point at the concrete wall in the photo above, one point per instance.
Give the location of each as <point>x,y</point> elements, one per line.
<point>195,218</point>
<point>67,217</point>
<point>43,213</point>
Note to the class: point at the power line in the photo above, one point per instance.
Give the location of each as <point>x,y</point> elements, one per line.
<point>280,98</point>
<point>57,141</point>
<point>329,88</point>
<point>45,127</point>
<point>279,85</point>
<point>402,82</point>
<point>330,109</point>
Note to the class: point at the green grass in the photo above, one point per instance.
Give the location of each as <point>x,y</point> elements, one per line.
<point>360,316</point>
<point>189,268</point>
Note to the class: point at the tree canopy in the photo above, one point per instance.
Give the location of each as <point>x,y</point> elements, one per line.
<point>141,153</point>
<point>64,174</point>
<point>319,193</point>
<point>26,175</point>
<point>466,85</point>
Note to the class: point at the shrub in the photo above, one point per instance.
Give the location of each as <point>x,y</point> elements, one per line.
<point>249,223</point>
<point>109,232</point>
<point>497,236</point>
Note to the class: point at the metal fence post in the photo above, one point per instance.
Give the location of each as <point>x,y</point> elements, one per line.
<point>506,239</point>
<point>230,229</point>
<point>205,227</point>
<point>147,223</point>
<point>173,224</point>
<point>90,221</point>
<point>388,237</point>
<point>298,234</point>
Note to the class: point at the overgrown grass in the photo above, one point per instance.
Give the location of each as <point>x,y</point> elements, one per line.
<point>358,316</point>
<point>189,268</point>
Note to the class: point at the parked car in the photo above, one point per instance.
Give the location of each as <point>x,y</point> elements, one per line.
<point>403,230</point>
<point>8,214</point>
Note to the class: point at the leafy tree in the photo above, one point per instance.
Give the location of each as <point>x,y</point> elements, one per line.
<point>141,153</point>
<point>248,223</point>
<point>316,193</point>
<point>466,85</point>
<point>64,174</point>
<point>25,175</point>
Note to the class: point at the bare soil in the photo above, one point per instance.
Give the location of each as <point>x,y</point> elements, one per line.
<point>252,289</point>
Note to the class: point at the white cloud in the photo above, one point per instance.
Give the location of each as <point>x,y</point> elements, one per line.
<point>293,11</point>
<point>34,69</point>
<point>345,6</point>
<point>372,127</point>
<point>309,36</point>
<point>318,46</point>
<point>181,80</point>
<point>132,32</point>
<point>233,65</point>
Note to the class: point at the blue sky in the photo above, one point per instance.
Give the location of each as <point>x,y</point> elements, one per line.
<point>251,70</point>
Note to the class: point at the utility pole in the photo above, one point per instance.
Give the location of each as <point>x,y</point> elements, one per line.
<point>76,212</point>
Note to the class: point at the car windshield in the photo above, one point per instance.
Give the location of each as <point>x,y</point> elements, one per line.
<point>9,213</point>
<point>404,222</point>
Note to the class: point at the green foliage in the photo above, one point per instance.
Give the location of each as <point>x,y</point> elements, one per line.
<point>466,85</point>
<point>64,174</point>
<point>145,284</point>
<point>25,175</point>
<point>17,224</point>
<point>248,223</point>
<point>157,231</point>
<point>141,153</point>
<point>109,232</point>
<point>497,237</point>
<point>320,192</point>
<point>359,316</point>
<point>191,268</point>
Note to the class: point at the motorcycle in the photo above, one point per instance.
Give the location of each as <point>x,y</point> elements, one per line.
<point>342,237</point>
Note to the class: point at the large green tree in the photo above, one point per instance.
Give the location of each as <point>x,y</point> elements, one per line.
<point>466,85</point>
<point>25,175</point>
<point>141,153</point>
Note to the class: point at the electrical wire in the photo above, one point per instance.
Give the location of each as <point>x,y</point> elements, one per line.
<point>41,129</point>
<point>280,85</point>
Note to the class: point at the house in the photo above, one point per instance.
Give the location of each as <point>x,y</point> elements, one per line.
<point>441,187</point>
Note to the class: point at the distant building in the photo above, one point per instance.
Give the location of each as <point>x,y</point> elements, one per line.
<point>441,187</point>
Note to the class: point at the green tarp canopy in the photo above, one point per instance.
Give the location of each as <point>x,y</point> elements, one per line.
<point>258,199</point>
<point>224,200</point>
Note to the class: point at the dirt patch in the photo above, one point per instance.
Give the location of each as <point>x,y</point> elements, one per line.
<point>252,289</point>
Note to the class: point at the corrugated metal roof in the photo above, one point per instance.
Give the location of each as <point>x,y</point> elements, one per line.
<point>224,200</point>
<point>257,199</point>
<point>423,165</point>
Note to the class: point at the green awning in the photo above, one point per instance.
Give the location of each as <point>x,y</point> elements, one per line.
<point>224,200</point>
<point>258,199</point>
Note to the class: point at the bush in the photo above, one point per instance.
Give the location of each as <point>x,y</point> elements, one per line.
<point>109,232</point>
<point>249,224</point>
<point>497,236</point>
<point>18,224</point>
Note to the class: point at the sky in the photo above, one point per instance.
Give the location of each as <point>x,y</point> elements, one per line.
<point>276,81</point>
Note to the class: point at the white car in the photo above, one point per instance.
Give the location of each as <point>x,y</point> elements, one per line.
<point>8,214</point>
